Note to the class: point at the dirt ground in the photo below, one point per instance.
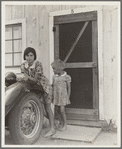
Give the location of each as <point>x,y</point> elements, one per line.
<point>105,139</point>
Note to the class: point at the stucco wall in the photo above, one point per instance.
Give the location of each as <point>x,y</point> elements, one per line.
<point>110,56</point>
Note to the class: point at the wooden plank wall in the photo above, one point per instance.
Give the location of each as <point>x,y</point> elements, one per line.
<point>37,34</point>
<point>110,59</point>
<point>37,28</point>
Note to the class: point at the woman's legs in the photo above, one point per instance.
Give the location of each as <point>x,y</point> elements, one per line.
<point>51,120</point>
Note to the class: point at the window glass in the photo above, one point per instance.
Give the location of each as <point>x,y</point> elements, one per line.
<point>8,32</point>
<point>8,59</point>
<point>8,46</point>
<point>17,58</point>
<point>13,44</point>
<point>17,32</point>
<point>17,45</point>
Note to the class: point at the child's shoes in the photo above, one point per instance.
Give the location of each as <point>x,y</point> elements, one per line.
<point>62,128</point>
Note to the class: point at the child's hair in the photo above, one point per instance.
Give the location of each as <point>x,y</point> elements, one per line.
<point>59,64</point>
<point>28,50</point>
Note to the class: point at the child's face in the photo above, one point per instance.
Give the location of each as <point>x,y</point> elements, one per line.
<point>29,57</point>
<point>56,70</point>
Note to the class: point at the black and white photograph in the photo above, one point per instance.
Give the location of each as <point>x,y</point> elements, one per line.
<point>60,74</point>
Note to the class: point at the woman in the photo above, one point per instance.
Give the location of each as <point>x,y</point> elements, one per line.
<point>33,72</point>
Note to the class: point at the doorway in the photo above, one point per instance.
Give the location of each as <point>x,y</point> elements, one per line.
<point>75,42</point>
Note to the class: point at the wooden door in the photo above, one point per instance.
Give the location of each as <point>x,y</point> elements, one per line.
<point>75,42</point>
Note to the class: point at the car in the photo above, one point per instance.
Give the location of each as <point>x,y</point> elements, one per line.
<point>24,110</point>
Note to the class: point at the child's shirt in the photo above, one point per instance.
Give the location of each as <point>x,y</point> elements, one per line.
<point>60,94</point>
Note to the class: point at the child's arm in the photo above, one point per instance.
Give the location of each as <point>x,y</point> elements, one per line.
<point>68,89</point>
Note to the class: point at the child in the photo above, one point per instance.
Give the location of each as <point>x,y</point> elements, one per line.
<point>33,72</point>
<point>61,91</point>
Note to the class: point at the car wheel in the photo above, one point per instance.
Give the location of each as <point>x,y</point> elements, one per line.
<point>26,120</point>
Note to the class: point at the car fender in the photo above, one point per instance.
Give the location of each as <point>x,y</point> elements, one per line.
<point>13,94</point>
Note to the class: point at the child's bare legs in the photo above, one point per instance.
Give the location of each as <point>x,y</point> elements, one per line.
<point>62,111</point>
<point>51,120</point>
<point>57,112</point>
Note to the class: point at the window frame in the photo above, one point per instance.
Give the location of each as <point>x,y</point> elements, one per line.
<point>23,23</point>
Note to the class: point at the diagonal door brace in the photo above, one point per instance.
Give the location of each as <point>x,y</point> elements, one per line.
<point>80,34</point>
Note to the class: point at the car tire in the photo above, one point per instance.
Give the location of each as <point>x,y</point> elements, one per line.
<point>26,120</point>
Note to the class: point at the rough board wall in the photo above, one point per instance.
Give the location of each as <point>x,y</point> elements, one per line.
<point>37,29</point>
<point>37,35</point>
<point>110,56</point>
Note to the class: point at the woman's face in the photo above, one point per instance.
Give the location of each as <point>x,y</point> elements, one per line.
<point>29,57</point>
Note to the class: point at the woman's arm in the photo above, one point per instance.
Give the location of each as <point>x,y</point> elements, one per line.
<point>32,79</point>
<point>38,70</point>
<point>29,78</point>
<point>38,73</point>
<point>21,76</point>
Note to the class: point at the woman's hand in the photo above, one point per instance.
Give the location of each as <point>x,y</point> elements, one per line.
<point>19,79</point>
<point>38,75</point>
<point>32,80</point>
<point>29,79</point>
<point>26,77</point>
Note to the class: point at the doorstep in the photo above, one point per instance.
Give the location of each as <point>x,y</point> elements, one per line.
<point>78,133</point>
<point>87,123</point>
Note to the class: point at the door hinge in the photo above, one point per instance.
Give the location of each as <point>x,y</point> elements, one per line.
<point>54,29</point>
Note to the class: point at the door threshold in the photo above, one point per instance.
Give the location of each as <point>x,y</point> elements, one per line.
<point>99,124</point>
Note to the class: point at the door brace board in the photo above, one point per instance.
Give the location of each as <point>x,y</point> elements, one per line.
<point>81,65</point>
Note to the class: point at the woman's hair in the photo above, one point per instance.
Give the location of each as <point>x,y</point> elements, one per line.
<point>59,64</point>
<point>28,50</point>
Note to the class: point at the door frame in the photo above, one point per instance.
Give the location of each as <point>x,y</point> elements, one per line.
<point>100,45</point>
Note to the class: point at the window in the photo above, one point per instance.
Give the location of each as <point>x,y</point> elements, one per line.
<point>15,36</point>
